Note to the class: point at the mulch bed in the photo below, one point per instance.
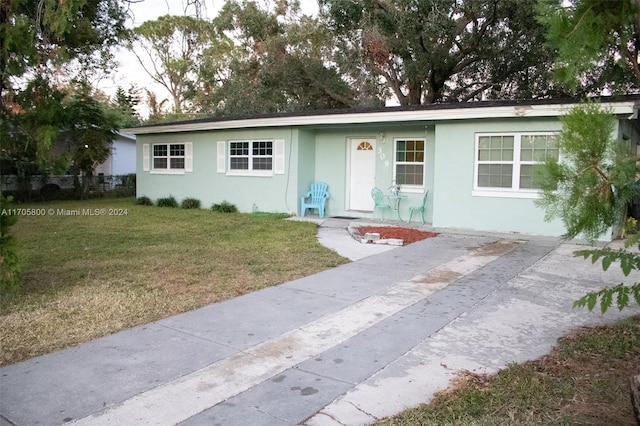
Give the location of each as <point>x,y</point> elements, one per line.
<point>408,235</point>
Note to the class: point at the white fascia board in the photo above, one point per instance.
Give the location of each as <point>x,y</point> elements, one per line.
<point>445,114</point>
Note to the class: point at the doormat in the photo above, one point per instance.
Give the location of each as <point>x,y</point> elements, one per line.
<point>345,217</point>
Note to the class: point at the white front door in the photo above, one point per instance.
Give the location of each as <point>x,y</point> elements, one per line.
<point>362,170</point>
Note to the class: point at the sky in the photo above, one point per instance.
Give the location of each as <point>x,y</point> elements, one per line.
<point>131,72</point>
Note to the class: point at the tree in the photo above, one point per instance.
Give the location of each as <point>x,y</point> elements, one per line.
<point>443,50</point>
<point>171,49</point>
<point>590,191</point>
<point>124,103</point>
<point>283,62</point>
<point>37,38</point>
<point>598,42</point>
<point>90,133</point>
<point>44,45</point>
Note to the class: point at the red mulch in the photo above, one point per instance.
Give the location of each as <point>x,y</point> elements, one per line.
<point>408,235</point>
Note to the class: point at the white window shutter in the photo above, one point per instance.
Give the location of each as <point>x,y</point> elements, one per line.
<point>222,158</point>
<point>145,157</point>
<point>188,157</point>
<point>278,150</point>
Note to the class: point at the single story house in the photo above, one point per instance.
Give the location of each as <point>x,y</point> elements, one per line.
<point>475,159</point>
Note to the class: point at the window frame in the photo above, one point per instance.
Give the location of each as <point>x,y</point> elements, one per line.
<point>514,191</point>
<point>169,170</point>
<point>410,188</point>
<point>250,170</point>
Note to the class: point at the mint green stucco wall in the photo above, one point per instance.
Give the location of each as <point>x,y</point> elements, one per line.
<point>332,162</point>
<point>316,154</point>
<point>305,163</point>
<point>321,154</point>
<point>277,193</point>
<point>454,204</point>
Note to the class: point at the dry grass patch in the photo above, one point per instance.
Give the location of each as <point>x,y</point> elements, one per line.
<point>583,381</point>
<point>89,276</point>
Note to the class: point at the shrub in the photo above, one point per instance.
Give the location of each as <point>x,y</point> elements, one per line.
<point>144,201</point>
<point>190,203</point>
<point>169,201</point>
<point>9,266</point>
<point>224,207</point>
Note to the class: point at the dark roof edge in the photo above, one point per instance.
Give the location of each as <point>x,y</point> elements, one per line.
<point>429,107</point>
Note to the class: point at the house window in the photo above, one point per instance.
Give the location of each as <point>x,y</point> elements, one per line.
<point>409,164</point>
<point>251,155</point>
<point>507,162</point>
<point>168,156</point>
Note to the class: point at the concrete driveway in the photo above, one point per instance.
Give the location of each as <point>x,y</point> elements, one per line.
<point>343,347</point>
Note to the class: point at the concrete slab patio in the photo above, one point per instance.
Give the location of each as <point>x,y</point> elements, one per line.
<point>342,347</point>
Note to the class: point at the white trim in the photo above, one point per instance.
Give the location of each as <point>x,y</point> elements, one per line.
<point>145,158</point>
<point>395,116</point>
<point>413,189</point>
<point>278,156</point>
<point>188,157</point>
<point>221,156</point>
<point>168,170</point>
<point>506,194</point>
<point>406,187</point>
<point>257,173</point>
<point>350,195</point>
<point>513,191</point>
<point>250,171</point>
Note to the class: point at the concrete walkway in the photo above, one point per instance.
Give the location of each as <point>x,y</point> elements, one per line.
<point>343,347</point>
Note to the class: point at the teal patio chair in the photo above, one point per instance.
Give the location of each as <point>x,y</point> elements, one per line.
<point>420,208</point>
<point>380,201</point>
<point>317,196</point>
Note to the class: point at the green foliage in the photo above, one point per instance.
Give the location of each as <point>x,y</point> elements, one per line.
<point>597,42</point>
<point>443,50</point>
<point>144,201</point>
<point>124,104</point>
<point>45,47</point>
<point>9,265</point>
<point>91,134</point>
<point>592,186</point>
<point>52,33</point>
<point>630,226</point>
<point>177,47</point>
<point>190,203</point>
<point>623,293</point>
<point>224,207</point>
<point>27,138</point>
<point>282,63</point>
<point>169,201</point>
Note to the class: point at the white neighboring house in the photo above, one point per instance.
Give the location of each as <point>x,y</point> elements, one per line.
<point>122,160</point>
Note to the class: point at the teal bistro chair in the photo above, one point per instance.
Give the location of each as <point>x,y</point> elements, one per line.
<point>380,201</point>
<point>317,196</point>
<point>421,208</point>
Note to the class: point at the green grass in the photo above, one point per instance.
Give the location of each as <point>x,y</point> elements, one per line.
<point>584,381</point>
<point>89,276</point>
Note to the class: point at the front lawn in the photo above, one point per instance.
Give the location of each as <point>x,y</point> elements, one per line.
<point>92,274</point>
<point>583,381</point>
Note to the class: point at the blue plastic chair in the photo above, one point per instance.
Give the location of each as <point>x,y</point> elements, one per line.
<point>380,201</point>
<point>318,194</point>
<point>420,208</point>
